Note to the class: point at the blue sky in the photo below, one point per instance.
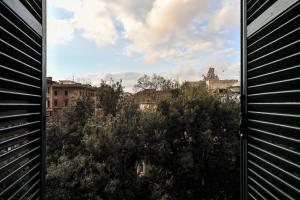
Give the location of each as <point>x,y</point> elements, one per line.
<point>92,40</point>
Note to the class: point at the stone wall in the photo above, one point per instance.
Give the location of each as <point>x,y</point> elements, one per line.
<point>220,84</point>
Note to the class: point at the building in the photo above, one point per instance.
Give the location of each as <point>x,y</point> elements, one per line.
<point>147,99</point>
<point>212,82</point>
<point>210,75</point>
<point>220,84</point>
<point>64,93</point>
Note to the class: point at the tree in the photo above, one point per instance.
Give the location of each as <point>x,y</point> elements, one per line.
<point>190,141</point>
<point>69,165</point>
<point>155,82</point>
<point>108,96</point>
<point>202,142</point>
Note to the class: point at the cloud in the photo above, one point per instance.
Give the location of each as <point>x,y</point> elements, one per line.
<point>227,16</point>
<point>134,9</point>
<point>201,46</point>
<point>156,37</point>
<point>187,33</point>
<point>70,5</point>
<point>94,20</point>
<point>149,25</point>
<point>60,31</point>
<point>168,17</point>
<point>171,31</point>
<point>91,17</point>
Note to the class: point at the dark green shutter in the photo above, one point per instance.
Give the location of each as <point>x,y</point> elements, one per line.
<point>22,97</point>
<point>271,99</point>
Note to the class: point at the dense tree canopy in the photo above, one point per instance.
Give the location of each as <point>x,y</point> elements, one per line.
<point>190,142</point>
<point>108,96</point>
<point>155,82</point>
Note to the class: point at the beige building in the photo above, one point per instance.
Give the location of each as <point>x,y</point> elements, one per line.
<point>212,82</point>
<point>220,84</point>
<point>147,99</point>
<point>63,94</point>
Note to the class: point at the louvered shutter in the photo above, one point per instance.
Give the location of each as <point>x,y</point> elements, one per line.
<point>22,83</point>
<point>271,99</point>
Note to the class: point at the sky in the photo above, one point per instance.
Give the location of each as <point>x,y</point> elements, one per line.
<point>94,40</point>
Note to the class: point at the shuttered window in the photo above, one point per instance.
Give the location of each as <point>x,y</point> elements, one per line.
<point>271,99</point>
<point>22,72</point>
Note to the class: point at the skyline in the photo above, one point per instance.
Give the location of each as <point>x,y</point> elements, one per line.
<point>180,39</point>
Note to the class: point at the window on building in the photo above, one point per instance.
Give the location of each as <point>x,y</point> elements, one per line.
<point>55,102</point>
<point>66,92</point>
<point>48,104</point>
<point>48,90</point>
<point>55,92</point>
<point>66,103</point>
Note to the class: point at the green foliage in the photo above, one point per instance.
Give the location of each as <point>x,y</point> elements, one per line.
<point>108,96</point>
<point>190,141</point>
<point>155,82</point>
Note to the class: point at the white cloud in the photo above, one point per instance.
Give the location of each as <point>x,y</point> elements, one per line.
<point>91,17</point>
<point>201,46</point>
<point>168,17</point>
<point>228,16</point>
<point>169,29</point>
<point>69,5</point>
<point>156,36</point>
<point>187,31</point>
<point>95,21</point>
<point>60,31</point>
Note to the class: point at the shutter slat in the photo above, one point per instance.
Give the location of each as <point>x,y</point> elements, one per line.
<point>274,177</point>
<point>25,185</point>
<point>22,99</point>
<point>29,191</point>
<point>18,160</point>
<point>33,8</point>
<point>18,62</point>
<point>8,24</point>
<point>10,70</point>
<point>22,125</point>
<point>270,128</point>
<point>22,167</point>
<point>11,186</point>
<point>20,23</point>
<point>34,195</point>
<point>262,188</point>
<point>13,140</point>
<point>262,179</point>
<point>19,149</point>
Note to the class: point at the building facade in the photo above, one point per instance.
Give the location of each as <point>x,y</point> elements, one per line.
<point>212,82</point>
<point>64,94</point>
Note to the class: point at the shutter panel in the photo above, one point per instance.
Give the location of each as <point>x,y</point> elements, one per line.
<point>22,72</point>
<point>271,99</point>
